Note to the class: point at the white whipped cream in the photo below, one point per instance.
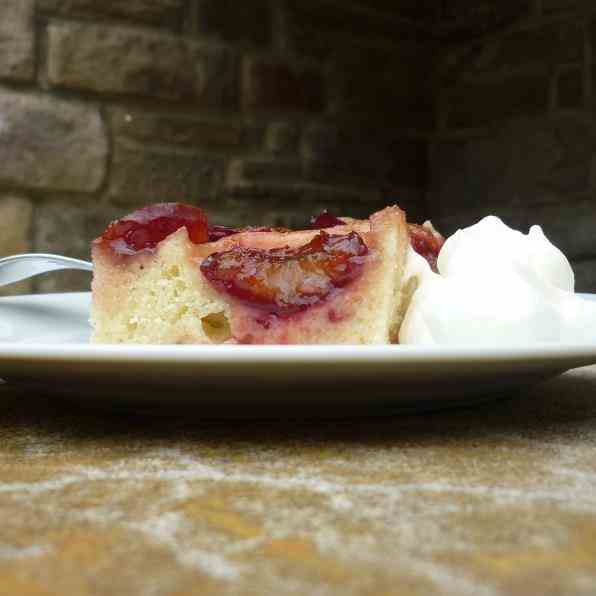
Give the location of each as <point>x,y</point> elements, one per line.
<point>496,286</point>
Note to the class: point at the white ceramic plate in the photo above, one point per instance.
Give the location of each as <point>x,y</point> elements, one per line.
<point>44,342</point>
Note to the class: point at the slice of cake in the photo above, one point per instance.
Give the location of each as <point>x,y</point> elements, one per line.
<point>159,280</point>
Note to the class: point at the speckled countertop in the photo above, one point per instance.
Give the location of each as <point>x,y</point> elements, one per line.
<point>500,499</point>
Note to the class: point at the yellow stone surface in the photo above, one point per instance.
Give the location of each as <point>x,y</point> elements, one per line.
<point>494,500</point>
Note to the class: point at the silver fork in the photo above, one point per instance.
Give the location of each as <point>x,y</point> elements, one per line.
<point>19,267</point>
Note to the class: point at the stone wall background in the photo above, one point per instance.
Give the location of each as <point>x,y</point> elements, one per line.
<point>261,111</point>
<point>516,123</point>
<point>270,110</point>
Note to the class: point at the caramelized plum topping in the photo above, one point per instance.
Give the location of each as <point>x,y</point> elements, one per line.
<point>219,232</point>
<point>284,281</point>
<point>142,230</point>
<point>427,242</point>
<point>325,220</point>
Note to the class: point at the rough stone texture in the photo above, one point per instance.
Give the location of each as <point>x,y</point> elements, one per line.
<point>549,6</point>
<point>164,13</point>
<point>322,30</point>
<point>567,224</point>
<point>142,175</point>
<point>258,178</point>
<point>485,101</point>
<point>271,84</point>
<point>365,154</point>
<point>520,164</point>
<point>138,62</point>
<point>425,11</point>
<point>498,499</point>
<point>282,138</point>
<point>65,228</point>
<point>554,44</point>
<point>256,169</point>
<point>180,129</point>
<point>16,214</point>
<point>285,180</point>
<point>231,21</point>
<point>17,40</point>
<point>291,206</point>
<point>570,89</point>
<point>49,143</point>
<point>362,82</point>
<point>188,88</point>
<point>534,170</point>
<point>585,276</point>
<point>531,171</point>
<point>466,19</point>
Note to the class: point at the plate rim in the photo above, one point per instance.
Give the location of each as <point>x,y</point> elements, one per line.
<point>263,354</point>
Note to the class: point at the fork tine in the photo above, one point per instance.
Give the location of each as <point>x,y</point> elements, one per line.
<point>18,267</point>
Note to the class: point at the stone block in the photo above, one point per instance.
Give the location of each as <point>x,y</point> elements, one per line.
<point>253,193</point>
<point>566,220</point>
<point>448,184</point>
<point>362,154</point>
<point>528,164</point>
<point>387,85</point>
<point>129,61</point>
<point>68,228</point>
<point>485,102</point>
<point>409,163</point>
<point>282,138</point>
<point>424,11</point>
<point>347,200</point>
<point>573,171</point>
<point>568,223</point>
<point>267,169</point>
<point>550,6</point>
<point>272,84</point>
<point>465,19</point>
<point>51,143</point>
<point>570,88</point>
<point>318,29</point>
<point>235,22</point>
<point>162,13</point>
<point>15,236</point>
<point>299,197</point>
<point>17,40</point>
<point>577,134</point>
<point>141,174</point>
<point>240,211</point>
<point>258,176</point>
<point>535,151</point>
<point>553,44</point>
<point>214,133</point>
<point>585,275</point>
<point>282,181</point>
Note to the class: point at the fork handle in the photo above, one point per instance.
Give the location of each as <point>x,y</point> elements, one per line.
<point>19,267</point>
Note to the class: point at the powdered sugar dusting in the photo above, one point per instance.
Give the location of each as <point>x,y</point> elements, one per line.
<point>165,529</point>
<point>8,552</point>
<point>472,509</point>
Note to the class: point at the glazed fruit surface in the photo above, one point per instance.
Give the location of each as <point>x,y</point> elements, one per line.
<point>142,230</point>
<point>284,281</point>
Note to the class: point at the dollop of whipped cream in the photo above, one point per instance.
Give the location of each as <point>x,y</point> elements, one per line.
<point>496,286</point>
